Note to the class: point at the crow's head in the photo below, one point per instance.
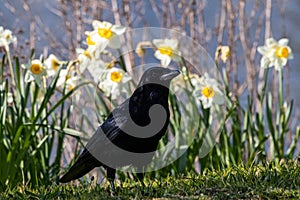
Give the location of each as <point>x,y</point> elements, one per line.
<point>153,89</point>
<point>158,75</point>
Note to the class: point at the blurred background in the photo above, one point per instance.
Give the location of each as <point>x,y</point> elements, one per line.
<point>58,27</point>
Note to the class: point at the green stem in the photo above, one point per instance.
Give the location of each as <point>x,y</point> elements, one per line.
<point>280,104</point>
<point>122,62</point>
<point>263,92</point>
<point>280,88</point>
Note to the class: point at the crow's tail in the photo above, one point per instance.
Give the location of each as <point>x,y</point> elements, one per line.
<point>85,163</point>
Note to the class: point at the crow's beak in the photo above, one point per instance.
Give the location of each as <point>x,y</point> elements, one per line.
<point>172,74</point>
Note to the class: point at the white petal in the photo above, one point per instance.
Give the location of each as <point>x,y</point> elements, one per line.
<point>279,63</point>
<point>171,43</point>
<point>62,77</point>
<point>83,62</point>
<point>206,102</point>
<point>24,66</point>
<point>159,56</point>
<point>106,87</point>
<point>119,30</point>
<point>282,62</point>
<point>265,62</point>
<point>95,72</point>
<point>291,56</point>
<point>106,25</point>
<point>96,24</point>
<point>126,78</point>
<point>115,42</point>
<point>28,77</point>
<point>100,48</point>
<point>166,61</point>
<point>95,37</point>
<point>195,82</point>
<point>38,80</point>
<point>262,49</point>
<point>79,51</point>
<point>283,42</point>
<point>91,50</point>
<point>158,42</point>
<point>270,42</point>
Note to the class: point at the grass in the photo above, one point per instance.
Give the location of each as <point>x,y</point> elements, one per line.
<point>268,181</point>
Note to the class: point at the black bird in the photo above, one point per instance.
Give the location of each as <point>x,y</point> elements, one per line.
<point>130,134</point>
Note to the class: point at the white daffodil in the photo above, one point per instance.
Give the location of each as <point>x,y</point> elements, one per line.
<point>224,51</point>
<point>84,59</point>
<point>167,50</point>
<point>275,53</point>
<point>96,44</point>
<point>109,32</point>
<point>94,66</point>
<point>35,71</point>
<point>96,69</point>
<point>104,34</point>
<point>52,65</point>
<point>207,91</point>
<point>67,78</point>
<point>6,38</point>
<point>112,82</point>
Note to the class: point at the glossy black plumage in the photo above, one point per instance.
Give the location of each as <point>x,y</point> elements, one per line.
<point>128,128</point>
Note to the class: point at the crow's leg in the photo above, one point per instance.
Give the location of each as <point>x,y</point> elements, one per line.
<point>111,175</point>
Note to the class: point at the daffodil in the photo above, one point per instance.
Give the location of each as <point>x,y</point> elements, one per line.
<point>68,79</point>
<point>207,91</point>
<point>84,59</point>
<point>94,66</point>
<point>109,32</point>
<point>96,44</point>
<point>224,51</point>
<point>52,65</point>
<point>112,82</point>
<point>35,71</point>
<point>6,38</point>
<point>104,34</point>
<point>167,50</point>
<point>275,53</point>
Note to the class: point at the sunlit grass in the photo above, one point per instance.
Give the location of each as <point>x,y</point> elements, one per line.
<point>240,182</point>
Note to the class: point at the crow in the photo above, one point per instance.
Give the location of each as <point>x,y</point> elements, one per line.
<point>130,134</point>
